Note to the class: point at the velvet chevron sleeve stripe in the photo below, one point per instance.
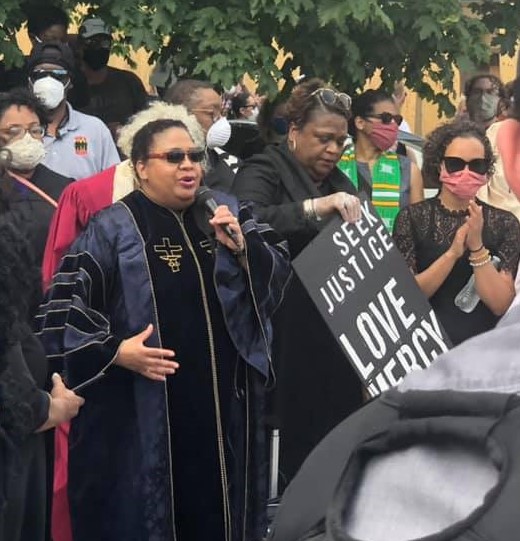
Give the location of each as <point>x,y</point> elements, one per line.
<point>72,322</point>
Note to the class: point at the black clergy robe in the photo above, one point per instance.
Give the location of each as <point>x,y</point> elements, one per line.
<point>183,459</point>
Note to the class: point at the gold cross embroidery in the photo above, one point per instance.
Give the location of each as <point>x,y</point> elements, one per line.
<point>171,253</point>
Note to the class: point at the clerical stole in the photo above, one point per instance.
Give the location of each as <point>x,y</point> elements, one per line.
<point>384,191</point>
<point>200,395</point>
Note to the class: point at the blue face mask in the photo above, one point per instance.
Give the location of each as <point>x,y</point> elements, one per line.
<point>279,125</point>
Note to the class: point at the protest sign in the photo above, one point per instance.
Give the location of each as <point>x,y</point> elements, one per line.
<point>370,300</point>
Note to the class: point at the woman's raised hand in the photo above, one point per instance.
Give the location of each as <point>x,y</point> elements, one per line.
<point>151,363</point>
<point>224,217</point>
<point>475,223</point>
<point>458,245</point>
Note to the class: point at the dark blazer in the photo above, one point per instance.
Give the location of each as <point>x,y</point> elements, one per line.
<point>316,386</point>
<point>277,184</point>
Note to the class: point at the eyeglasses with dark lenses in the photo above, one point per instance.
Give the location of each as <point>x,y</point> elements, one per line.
<point>17,132</point>
<point>60,75</point>
<point>331,98</point>
<point>177,156</point>
<point>386,118</point>
<point>454,164</point>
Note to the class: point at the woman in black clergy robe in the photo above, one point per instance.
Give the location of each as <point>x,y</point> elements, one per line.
<point>295,187</point>
<point>177,328</point>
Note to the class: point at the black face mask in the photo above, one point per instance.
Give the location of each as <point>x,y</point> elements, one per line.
<point>279,125</point>
<point>96,59</point>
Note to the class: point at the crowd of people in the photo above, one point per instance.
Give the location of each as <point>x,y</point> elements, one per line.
<point>147,285</point>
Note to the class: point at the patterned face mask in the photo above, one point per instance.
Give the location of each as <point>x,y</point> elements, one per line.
<point>464,184</point>
<point>26,153</point>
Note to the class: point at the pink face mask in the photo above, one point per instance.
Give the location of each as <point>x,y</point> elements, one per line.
<point>383,136</point>
<point>464,184</point>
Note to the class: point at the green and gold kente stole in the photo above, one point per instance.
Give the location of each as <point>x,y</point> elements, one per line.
<point>386,183</point>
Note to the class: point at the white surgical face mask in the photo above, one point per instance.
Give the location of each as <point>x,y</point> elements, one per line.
<point>26,153</point>
<point>50,91</point>
<point>254,115</point>
<point>219,133</point>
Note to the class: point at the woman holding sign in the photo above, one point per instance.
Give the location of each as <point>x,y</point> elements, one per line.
<point>295,187</point>
<point>464,253</point>
<point>390,180</point>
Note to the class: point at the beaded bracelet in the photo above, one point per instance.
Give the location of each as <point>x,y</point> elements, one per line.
<point>482,263</point>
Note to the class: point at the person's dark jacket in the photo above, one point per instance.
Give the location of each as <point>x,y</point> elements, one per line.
<point>222,169</point>
<point>277,185</point>
<point>23,406</point>
<point>316,386</point>
<point>31,211</point>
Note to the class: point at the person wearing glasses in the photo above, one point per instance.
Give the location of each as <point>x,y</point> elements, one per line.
<point>464,253</point>
<point>33,189</point>
<point>77,205</point>
<point>483,93</point>
<point>45,23</point>
<point>201,100</point>
<point>76,145</point>
<point>391,181</point>
<point>295,187</point>
<point>244,107</point>
<point>165,321</point>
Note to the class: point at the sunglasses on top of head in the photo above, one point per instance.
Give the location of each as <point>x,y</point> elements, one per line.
<point>177,156</point>
<point>454,164</point>
<point>386,118</point>
<point>60,75</point>
<point>331,98</point>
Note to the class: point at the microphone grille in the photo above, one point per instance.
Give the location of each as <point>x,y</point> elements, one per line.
<point>203,193</point>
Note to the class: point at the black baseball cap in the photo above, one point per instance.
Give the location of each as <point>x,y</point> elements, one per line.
<point>51,53</point>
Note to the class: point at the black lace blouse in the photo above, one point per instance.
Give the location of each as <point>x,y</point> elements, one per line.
<point>424,231</point>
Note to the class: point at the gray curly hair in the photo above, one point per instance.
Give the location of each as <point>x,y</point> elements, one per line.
<point>159,110</point>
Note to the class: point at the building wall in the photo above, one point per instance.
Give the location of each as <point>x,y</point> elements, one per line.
<point>140,57</point>
<point>421,115</point>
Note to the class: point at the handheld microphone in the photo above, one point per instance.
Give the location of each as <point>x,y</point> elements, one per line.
<point>204,197</point>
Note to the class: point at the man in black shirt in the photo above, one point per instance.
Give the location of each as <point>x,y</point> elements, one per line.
<point>115,94</point>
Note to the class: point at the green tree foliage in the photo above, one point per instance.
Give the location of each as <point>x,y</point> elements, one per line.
<point>343,41</point>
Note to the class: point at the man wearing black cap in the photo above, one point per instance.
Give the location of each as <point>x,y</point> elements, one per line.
<point>115,94</point>
<point>77,145</point>
<point>45,23</point>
